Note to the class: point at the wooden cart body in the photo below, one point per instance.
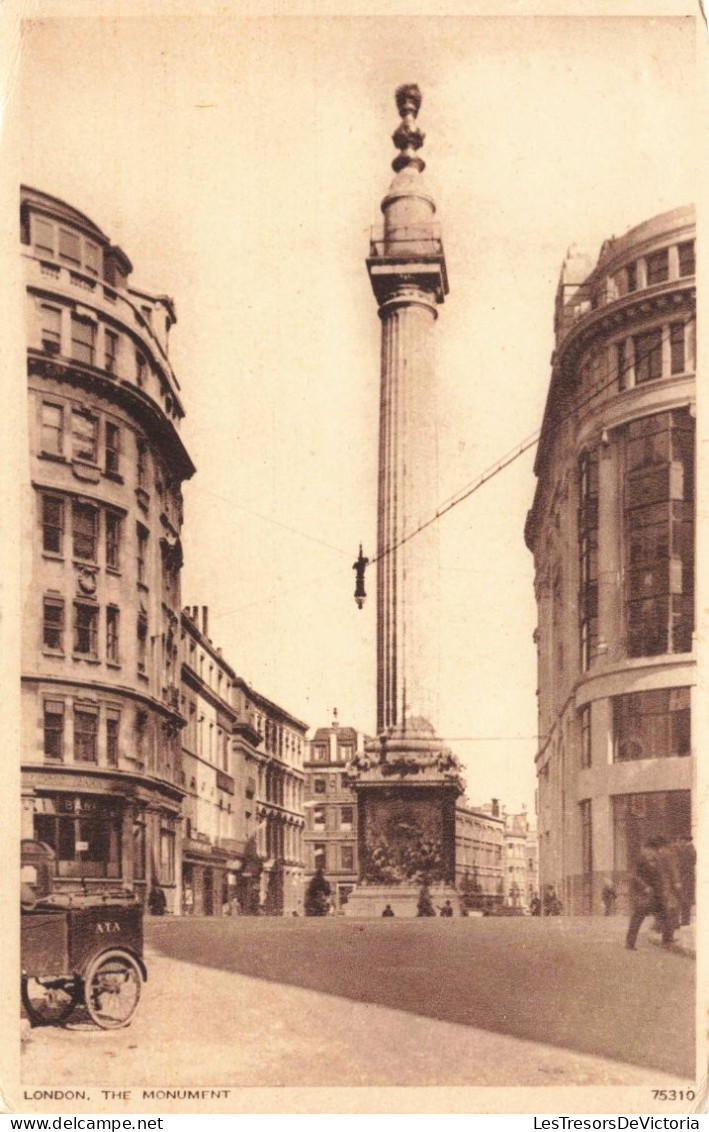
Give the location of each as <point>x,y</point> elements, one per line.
<point>81,949</point>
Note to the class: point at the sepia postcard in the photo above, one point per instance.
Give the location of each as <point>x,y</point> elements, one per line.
<point>354,535</point>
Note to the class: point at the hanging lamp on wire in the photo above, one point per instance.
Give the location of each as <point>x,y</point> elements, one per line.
<point>359,568</point>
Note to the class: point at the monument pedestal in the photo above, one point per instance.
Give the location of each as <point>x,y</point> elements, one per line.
<point>369,901</point>
<point>407,784</point>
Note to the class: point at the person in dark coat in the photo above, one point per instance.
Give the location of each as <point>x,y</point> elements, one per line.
<point>388,911</point>
<point>608,896</point>
<point>447,909</point>
<point>670,891</point>
<point>686,856</point>
<point>157,903</point>
<point>644,890</point>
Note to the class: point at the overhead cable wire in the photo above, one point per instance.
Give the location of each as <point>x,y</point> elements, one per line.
<point>458,497</point>
<point>510,458</point>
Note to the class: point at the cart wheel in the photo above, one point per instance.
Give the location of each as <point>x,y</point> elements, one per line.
<point>112,989</point>
<point>48,1001</point>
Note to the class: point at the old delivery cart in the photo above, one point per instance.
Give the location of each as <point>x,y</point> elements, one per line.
<point>78,949</point>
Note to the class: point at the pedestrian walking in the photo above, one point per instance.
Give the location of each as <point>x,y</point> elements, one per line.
<point>608,896</point>
<point>157,904</point>
<point>670,890</point>
<point>645,891</point>
<point>686,856</point>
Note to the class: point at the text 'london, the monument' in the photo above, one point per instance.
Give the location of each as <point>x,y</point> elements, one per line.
<point>407,782</point>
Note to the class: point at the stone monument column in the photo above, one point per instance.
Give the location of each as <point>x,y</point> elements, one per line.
<point>406,781</point>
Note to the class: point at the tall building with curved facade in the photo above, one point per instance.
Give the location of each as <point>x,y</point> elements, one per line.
<point>612,534</point>
<point>102,513</point>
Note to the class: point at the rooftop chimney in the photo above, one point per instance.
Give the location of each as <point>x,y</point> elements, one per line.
<point>205,620</point>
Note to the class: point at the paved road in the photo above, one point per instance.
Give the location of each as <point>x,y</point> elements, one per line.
<point>323,1002</point>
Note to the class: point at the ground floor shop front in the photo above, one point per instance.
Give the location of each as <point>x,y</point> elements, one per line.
<point>106,832</point>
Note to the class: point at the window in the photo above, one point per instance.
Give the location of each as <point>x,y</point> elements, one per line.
<point>319,818</point>
<point>621,366</point>
<point>347,858</point>
<point>140,464</point>
<point>639,816</point>
<point>685,253</point>
<point>167,856</point>
<point>658,267</point>
<point>586,837</point>
<point>52,524</point>
<point>52,428</point>
<point>111,347</point>
<point>585,720</point>
<point>84,434</point>
<point>92,258</point>
<point>677,347</point>
<point>631,276</point>
<point>588,557</point>
<point>53,729</point>
<point>142,634</point>
<point>319,856</point>
<point>83,335</point>
<point>319,785</point>
<point>53,624</point>
<point>112,628</point>
<point>320,754</point>
<point>141,727</point>
<point>113,447</point>
<point>85,735</point>
<point>43,236</point>
<point>87,843</point>
<point>141,368</point>
<point>659,534</point>
<point>648,356</point>
<point>113,720</point>
<point>346,818</point>
<point>139,850</point>
<point>84,531</point>
<point>113,540</point>
<point>69,246</point>
<point>652,725</point>
<point>51,329</point>
<point>142,552</point>
<point>85,629</point>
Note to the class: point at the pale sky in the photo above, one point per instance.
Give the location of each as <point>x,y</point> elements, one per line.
<point>240,163</point>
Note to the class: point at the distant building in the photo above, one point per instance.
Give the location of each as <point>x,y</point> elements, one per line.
<point>331,809</point>
<point>242,849</point>
<point>214,827</point>
<point>531,850</point>
<point>612,534</point>
<point>520,865</point>
<point>274,765</point>
<point>101,508</point>
<point>479,853</point>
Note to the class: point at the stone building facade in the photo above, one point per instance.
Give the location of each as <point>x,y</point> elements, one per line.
<point>479,853</point>
<point>518,887</point>
<point>331,809</point>
<point>214,823</point>
<point>273,769</point>
<point>101,560</point>
<point>612,533</point>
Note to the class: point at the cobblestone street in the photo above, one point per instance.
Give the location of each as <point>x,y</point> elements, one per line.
<point>248,1002</point>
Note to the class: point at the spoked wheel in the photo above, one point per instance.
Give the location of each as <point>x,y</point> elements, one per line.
<point>112,989</point>
<point>49,1001</point>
